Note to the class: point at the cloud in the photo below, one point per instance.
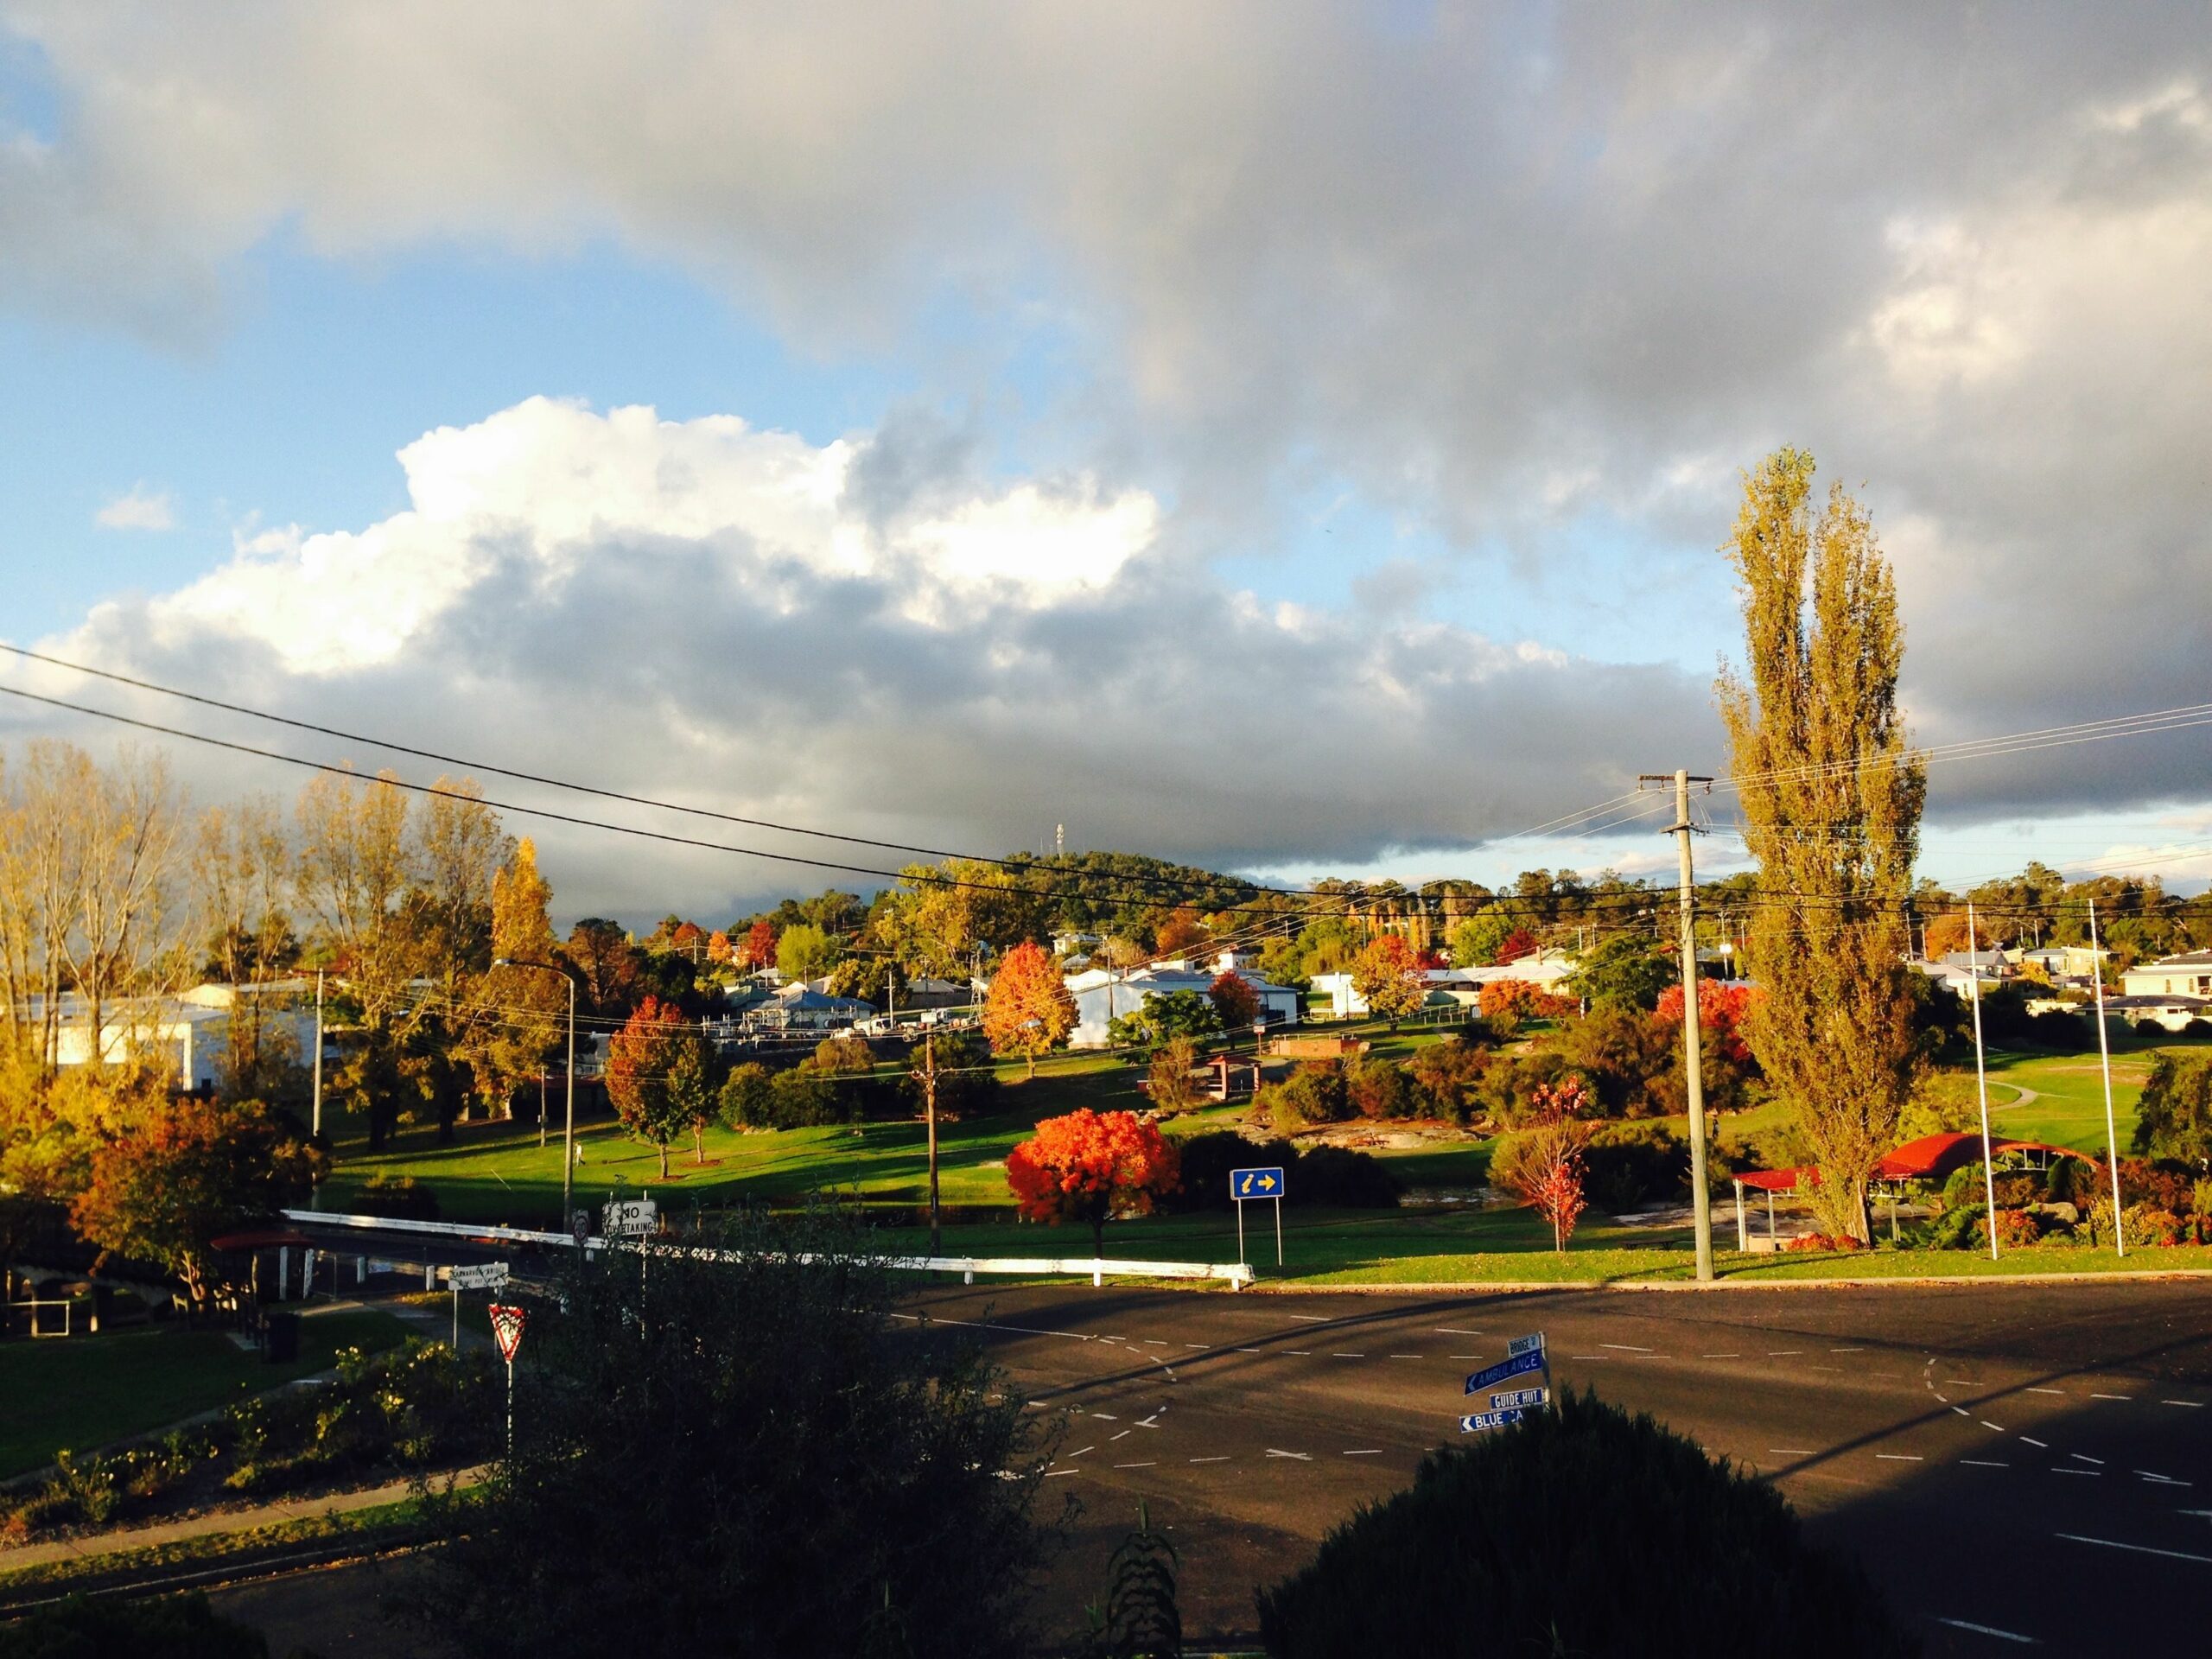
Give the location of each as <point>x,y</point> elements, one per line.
<point>710,612</point>
<point>139,508</point>
<point>1502,270</point>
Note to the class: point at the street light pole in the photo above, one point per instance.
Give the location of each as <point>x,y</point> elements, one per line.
<point>569,1132</point>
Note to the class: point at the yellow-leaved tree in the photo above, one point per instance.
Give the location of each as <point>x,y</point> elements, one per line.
<point>1029,1011</point>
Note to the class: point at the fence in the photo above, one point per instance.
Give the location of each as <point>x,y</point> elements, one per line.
<point>1237,1274</point>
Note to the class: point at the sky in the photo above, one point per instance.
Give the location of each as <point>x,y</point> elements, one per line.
<point>1292,438</point>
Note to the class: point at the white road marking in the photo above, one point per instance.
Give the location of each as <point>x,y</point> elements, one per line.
<point>1072,1456</point>
<point>1998,1428</point>
<point>1962,1411</point>
<point>2111,1396</point>
<point>1989,1629</point>
<point>1052,1474</point>
<point>1463,1356</point>
<point>2085,1457</point>
<point>2030,1439</point>
<point>2163,1480</point>
<point>1586,1355</point>
<point>2061,1392</point>
<point>1408,1355</point>
<point>1299,1353</point>
<point>2092,1473</point>
<point>1721,1356</point>
<point>1899,1457</point>
<point>1309,1318</point>
<point>1247,1351</point>
<point>1371,1451</point>
<point>1454,1331</point>
<point>1985,1463</point>
<point>2194,1405</point>
<point>1783,1353</point>
<point>1136,1465</point>
<point>2140,1550</point>
<point>1199,1345</point>
<point>1846,1351</point>
<point>1209,1459</point>
<point>1793,1451</point>
<point>1625,1347</point>
<point>1123,1436</point>
<point>1303,1457</point>
<point>1347,1356</point>
<point>1105,1417</point>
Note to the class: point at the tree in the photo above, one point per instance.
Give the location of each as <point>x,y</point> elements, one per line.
<point>1029,1011</point>
<point>804,951</point>
<point>1387,976</point>
<point>1516,944</point>
<point>1721,1007</point>
<point>1949,932</point>
<point>1545,1164</point>
<point>1522,1536</point>
<point>1169,1085</point>
<point>2175,1115</point>
<point>1474,940</point>
<point>1180,933</point>
<point>656,1075</point>
<point>1162,1017</point>
<point>759,949</point>
<point>526,1010</point>
<point>1233,1000</point>
<point>743,1455</point>
<point>185,1172</point>
<point>607,967</point>
<point>1625,972</point>
<point>1088,1167</point>
<point>747,1098</point>
<point>1831,798</point>
<point>691,1093</point>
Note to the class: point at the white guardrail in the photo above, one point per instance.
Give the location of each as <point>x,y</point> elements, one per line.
<point>1237,1274</point>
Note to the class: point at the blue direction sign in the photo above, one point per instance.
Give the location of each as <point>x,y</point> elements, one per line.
<point>1483,1420</point>
<point>1519,1365</point>
<point>1255,1183</point>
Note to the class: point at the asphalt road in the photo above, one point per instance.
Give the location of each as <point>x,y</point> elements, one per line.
<point>2014,1465</point>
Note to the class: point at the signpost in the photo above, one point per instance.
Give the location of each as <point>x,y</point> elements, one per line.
<point>1245,1184</point>
<point>1524,1357</point>
<point>491,1275</point>
<point>629,1218</point>
<point>506,1329</point>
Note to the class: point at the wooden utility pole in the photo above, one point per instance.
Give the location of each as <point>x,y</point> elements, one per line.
<point>1692,1046</point>
<point>925,1074</point>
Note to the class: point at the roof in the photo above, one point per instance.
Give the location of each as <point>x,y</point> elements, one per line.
<point>1933,1157</point>
<point>2158,999</point>
<point>2187,959</point>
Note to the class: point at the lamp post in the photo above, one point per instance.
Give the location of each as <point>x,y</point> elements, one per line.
<point>569,1132</point>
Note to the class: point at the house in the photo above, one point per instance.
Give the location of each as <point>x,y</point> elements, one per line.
<point>2062,963</point>
<point>191,1031</point>
<point>1103,995</point>
<point>1952,974</point>
<point>794,1008</point>
<point>1544,970</point>
<point>2173,1011</point>
<point>2187,975</point>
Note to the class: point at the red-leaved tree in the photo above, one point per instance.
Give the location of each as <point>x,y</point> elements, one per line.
<point>1544,1166</point>
<point>658,1076</point>
<point>1720,1010</point>
<point>1233,1000</point>
<point>1516,944</point>
<point>759,949</point>
<point>1088,1166</point>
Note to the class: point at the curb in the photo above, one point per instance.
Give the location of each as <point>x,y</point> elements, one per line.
<point>1468,1286</point>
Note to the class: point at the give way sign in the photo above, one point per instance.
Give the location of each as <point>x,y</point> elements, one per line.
<point>506,1326</point>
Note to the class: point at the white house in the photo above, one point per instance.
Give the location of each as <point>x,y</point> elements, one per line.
<point>1544,970</point>
<point>191,1031</point>
<point>2172,1010</point>
<point>1103,995</point>
<point>2187,975</point>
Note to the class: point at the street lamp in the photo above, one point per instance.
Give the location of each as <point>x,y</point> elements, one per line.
<point>568,1133</point>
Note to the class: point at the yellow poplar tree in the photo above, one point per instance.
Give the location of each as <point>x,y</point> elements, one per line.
<point>1831,797</point>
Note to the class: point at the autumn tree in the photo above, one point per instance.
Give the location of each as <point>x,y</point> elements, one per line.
<point>1949,932</point>
<point>656,1075</point>
<point>1233,1000</point>
<point>1029,1011</point>
<point>606,963</point>
<point>185,1172</point>
<point>1169,1083</point>
<point>804,951</point>
<point>759,949</point>
<point>242,878</point>
<point>1474,941</point>
<point>525,1010</point>
<point>1088,1166</point>
<point>1544,1163</point>
<point>1831,797</point>
<point>1181,933</point>
<point>1387,976</point>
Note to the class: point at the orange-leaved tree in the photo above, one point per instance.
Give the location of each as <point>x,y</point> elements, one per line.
<point>1089,1166</point>
<point>1233,1000</point>
<point>1386,975</point>
<point>760,948</point>
<point>1029,1011</point>
<point>659,1075</point>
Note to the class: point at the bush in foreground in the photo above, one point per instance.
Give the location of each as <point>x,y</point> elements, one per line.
<point>178,1628</point>
<point>1585,1531</point>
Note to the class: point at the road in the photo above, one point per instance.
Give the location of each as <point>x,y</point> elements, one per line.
<point>2014,1465</point>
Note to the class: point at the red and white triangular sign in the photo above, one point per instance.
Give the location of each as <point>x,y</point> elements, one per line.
<point>507,1325</point>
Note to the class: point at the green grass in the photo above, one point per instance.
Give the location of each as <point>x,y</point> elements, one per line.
<point>84,1392</point>
<point>2068,1108</point>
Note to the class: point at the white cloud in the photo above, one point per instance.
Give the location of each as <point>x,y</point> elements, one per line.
<point>139,508</point>
<point>706,611</point>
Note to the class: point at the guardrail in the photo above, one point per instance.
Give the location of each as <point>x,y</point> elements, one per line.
<point>1237,1274</point>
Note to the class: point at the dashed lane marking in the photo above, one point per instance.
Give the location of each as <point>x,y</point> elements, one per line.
<point>1302,1456</point>
<point>1899,1457</point>
<point>1072,1456</point>
<point>1962,1411</point>
<point>2061,1392</point>
<point>1106,1416</point>
<point>1309,1318</point>
<point>2140,1549</point>
<point>1370,1452</point>
<point>1793,1451</point>
<point>1989,1629</point>
<point>2194,1405</point>
<point>1783,1353</point>
<point>1347,1356</point>
<point>2085,1457</point>
<point>1846,1351</point>
<point>1455,1330</point>
<point>1123,1436</point>
<point>1985,1463</point>
<point>1136,1465</point>
<point>2111,1396</point>
<point>2092,1473</point>
<point>1720,1355</point>
<point>1408,1355</point>
<point>2038,1444</point>
<point>1210,1459</point>
<point>1052,1474</point>
<point>1299,1353</point>
<point>1625,1347</point>
<point>1998,1428</point>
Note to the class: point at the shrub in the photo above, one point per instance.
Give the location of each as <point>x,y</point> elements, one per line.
<point>1824,1242</point>
<point>401,1197</point>
<point>1631,1167</point>
<point>746,1101</point>
<point>1523,1537</point>
<point>1379,1088</point>
<point>1335,1176</point>
<point>1446,1075</point>
<point>2162,1185</point>
<point>1170,1086</point>
<point>1347,1179</point>
<point>842,1056</point>
<point>1314,1093</point>
<point>2149,1224</point>
<point>801,1098</point>
<point>2175,1114</point>
<point>2016,1229</point>
<point>92,1485</point>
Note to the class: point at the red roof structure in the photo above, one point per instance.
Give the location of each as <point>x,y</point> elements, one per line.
<point>1931,1158</point>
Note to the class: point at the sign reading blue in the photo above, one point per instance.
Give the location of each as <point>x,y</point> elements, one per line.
<point>1519,1365</point>
<point>1255,1183</point>
<point>1483,1420</point>
<point>1518,1399</point>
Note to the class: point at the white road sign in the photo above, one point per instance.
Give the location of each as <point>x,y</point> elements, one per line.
<point>492,1275</point>
<point>629,1218</point>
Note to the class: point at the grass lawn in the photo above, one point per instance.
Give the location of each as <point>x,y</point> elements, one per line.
<point>2060,1097</point>
<point>83,1392</point>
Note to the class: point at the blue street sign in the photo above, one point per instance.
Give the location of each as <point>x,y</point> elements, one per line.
<point>1255,1183</point>
<point>1518,1398</point>
<point>1519,1365</point>
<point>1483,1420</point>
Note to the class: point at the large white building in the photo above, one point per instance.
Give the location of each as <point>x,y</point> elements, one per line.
<point>1546,970</point>
<point>191,1031</point>
<point>2187,975</point>
<point>1103,995</point>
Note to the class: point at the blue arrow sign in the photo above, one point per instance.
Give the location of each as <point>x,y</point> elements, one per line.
<point>1255,1183</point>
<point>1519,1365</point>
<point>1483,1420</point>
